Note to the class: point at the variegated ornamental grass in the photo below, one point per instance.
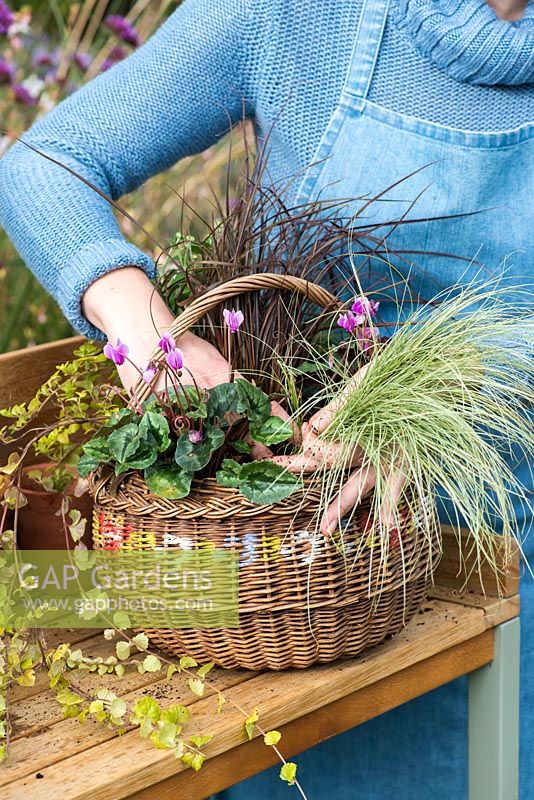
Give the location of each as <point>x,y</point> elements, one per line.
<point>443,403</point>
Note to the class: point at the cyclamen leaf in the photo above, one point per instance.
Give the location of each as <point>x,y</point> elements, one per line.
<point>88,463</point>
<point>118,416</point>
<point>253,402</point>
<point>241,446</point>
<point>142,459</point>
<point>168,480</point>
<point>154,429</point>
<point>188,398</point>
<point>273,431</point>
<point>194,456</point>
<point>260,482</point>
<point>230,473</point>
<point>223,398</point>
<point>124,442</point>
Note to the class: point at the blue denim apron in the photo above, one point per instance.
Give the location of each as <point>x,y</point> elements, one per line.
<point>420,749</point>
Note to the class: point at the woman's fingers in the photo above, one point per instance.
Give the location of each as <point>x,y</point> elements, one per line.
<point>388,513</point>
<point>322,419</point>
<point>258,451</point>
<point>278,411</point>
<point>318,454</point>
<point>328,454</point>
<point>358,485</point>
<point>298,463</point>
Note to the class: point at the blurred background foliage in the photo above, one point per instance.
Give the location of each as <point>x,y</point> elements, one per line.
<point>46,51</point>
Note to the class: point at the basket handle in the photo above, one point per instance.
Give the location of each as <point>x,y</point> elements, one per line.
<point>246,283</point>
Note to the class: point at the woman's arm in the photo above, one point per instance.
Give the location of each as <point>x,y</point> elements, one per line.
<point>175,96</point>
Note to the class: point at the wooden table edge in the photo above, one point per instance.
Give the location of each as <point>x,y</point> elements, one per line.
<point>250,758</point>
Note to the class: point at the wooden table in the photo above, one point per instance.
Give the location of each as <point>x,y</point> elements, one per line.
<point>454,634</point>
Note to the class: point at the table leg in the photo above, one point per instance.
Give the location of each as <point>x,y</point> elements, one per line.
<point>494,720</point>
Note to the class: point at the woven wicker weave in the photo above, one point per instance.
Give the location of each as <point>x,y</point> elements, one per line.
<point>301,600</point>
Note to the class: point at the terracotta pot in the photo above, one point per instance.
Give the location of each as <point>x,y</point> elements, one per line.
<point>38,526</point>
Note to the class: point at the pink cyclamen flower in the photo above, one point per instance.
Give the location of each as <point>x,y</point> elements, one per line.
<point>367,337</point>
<point>175,359</point>
<point>195,436</point>
<point>6,18</point>
<point>347,321</point>
<point>7,71</point>
<point>149,373</point>
<point>167,343</point>
<point>364,309</point>
<point>234,319</point>
<point>122,28</point>
<point>22,95</point>
<point>118,353</point>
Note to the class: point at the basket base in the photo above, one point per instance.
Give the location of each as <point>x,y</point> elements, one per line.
<point>295,639</point>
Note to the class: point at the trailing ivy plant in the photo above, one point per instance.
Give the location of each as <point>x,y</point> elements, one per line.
<point>82,400</point>
<point>24,652</point>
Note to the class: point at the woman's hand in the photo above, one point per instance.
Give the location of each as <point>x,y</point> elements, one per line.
<point>123,304</point>
<point>320,454</point>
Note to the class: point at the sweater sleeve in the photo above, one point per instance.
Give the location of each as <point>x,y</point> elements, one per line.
<point>174,97</point>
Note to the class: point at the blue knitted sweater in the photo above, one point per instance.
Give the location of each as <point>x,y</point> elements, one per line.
<point>283,63</point>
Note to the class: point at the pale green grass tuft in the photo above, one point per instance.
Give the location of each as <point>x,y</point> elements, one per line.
<point>448,398</point>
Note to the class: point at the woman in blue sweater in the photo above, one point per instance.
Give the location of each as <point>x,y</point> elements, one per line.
<point>356,95</point>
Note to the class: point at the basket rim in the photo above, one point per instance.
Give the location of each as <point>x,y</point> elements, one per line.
<point>129,493</point>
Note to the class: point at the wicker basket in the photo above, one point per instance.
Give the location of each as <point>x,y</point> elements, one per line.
<point>301,600</point>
